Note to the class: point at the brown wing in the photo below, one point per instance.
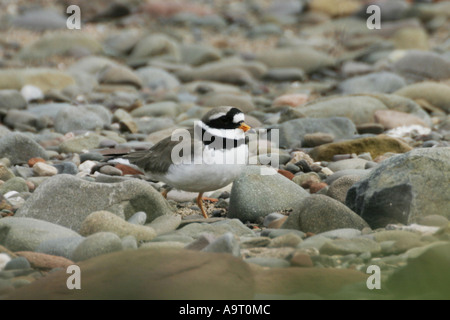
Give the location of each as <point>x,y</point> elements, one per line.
<point>158,158</point>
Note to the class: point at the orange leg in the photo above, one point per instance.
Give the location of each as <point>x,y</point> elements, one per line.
<point>200,204</point>
<point>210,199</point>
<point>164,193</point>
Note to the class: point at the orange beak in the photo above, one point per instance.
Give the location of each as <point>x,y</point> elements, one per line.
<point>244,127</point>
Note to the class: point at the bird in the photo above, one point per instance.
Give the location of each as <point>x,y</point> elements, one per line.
<point>204,158</point>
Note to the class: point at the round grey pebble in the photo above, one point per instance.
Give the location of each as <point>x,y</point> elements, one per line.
<point>138,218</point>
<point>97,244</point>
<point>66,168</point>
<point>17,263</point>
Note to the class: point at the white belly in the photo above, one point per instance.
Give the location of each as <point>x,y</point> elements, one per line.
<point>211,171</point>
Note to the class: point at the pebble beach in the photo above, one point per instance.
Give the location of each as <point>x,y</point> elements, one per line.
<point>357,206</point>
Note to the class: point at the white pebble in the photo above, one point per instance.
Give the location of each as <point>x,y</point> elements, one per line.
<point>42,169</point>
<point>31,93</point>
<point>86,166</point>
<point>4,259</point>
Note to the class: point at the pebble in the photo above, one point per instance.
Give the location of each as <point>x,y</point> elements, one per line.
<point>97,244</point>
<point>224,244</point>
<point>43,169</point>
<point>104,221</point>
<point>138,218</point>
<point>17,263</point>
<point>165,224</point>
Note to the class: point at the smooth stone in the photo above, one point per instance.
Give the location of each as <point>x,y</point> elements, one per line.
<point>273,233</point>
<point>157,109</point>
<point>43,78</point>
<point>249,200</point>
<point>384,82</point>
<point>435,93</point>
<point>320,213</point>
<point>77,198</point>
<point>81,143</point>
<point>42,169</point>
<point>174,237</point>
<point>84,117</point>
<point>219,228</point>
<point>272,217</point>
<point>269,262</point>
<point>195,54</point>
<point>17,263</point>
<point>60,44</point>
<point>423,65</point>
<point>352,172</point>
<point>349,246</point>
<point>305,58</point>
<point>157,79</point>
<point>360,109</point>
<point>104,221</point>
<point>110,171</point>
<point>292,132</point>
<point>347,164</point>
<point>254,242</point>
<point>26,234</point>
<point>19,148</point>
<point>165,223</point>
<point>391,119</point>
<point>314,242</point>
<point>66,167</point>
<point>286,240</point>
<point>338,189</point>
<point>40,20</point>
<point>226,243</point>
<point>403,188</point>
<point>168,274</point>
<point>95,245</point>
<point>284,74</point>
<point>344,233</point>
<point>119,75</point>
<point>62,247</point>
<point>11,99</point>
<point>138,218</point>
<point>44,261</point>
<point>317,139</point>
<point>377,146</point>
<point>154,45</point>
<point>15,184</point>
<point>433,220</point>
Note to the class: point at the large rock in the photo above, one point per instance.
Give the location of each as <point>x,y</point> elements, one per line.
<point>67,200</point>
<point>19,148</point>
<point>253,196</point>
<point>153,274</point>
<point>26,234</point>
<point>377,146</point>
<point>320,213</point>
<point>292,132</point>
<point>404,188</point>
